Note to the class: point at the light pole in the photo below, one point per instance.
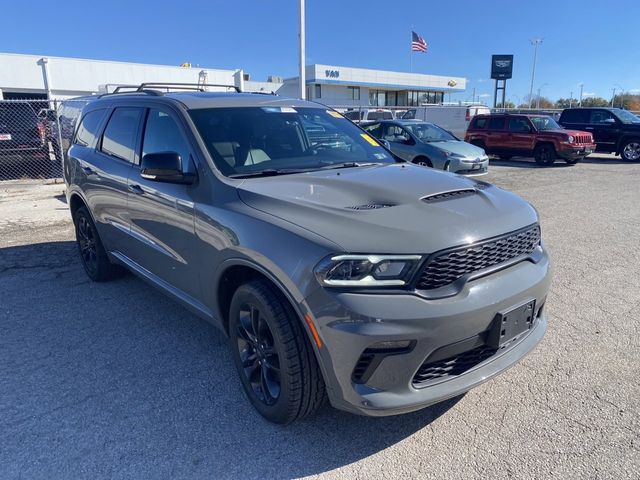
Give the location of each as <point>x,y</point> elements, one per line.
<point>538,100</point>
<point>581,89</point>
<point>535,42</point>
<point>303,86</point>
<point>614,94</point>
<point>570,99</point>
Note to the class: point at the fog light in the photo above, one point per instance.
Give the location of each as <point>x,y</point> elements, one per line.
<point>391,345</point>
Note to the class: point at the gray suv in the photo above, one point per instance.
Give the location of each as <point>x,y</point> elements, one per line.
<point>335,269</point>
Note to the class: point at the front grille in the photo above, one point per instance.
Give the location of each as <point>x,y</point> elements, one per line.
<point>583,139</point>
<point>452,366</point>
<point>448,266</point>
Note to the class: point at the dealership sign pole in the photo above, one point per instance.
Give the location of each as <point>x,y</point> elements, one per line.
<point>501,71</point>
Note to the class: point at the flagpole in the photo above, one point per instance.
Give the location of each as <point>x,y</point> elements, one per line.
<point>411,52</point>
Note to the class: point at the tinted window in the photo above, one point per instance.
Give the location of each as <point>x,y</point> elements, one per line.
<point>496,123</point>
<point>163,135</point>
<point>119,137</point>
<point>375,129</point>
<point>354,115</point>
<point>479,123</point>
<point>409,114</point>
<point>601,116</point>
<point>575,116</point>
<point>88,129</point>
<point>379,116</point>
<point>519,124</point>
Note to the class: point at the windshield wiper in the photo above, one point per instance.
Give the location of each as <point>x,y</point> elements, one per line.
<point>267,172</point>
<point>349,165</point>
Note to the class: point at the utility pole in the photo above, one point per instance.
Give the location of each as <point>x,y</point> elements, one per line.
<point>473,98</point>
<point>570,99</point>
<point>303,84</point>
<point>535,42</point>
<point>581,89</point>
<point>613,96</point>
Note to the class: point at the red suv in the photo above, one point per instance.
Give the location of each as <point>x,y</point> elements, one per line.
<point>509,135</point>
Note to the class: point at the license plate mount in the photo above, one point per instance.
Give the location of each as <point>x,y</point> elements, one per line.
<point>511,324</point>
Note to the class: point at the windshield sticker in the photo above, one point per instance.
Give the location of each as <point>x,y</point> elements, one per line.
<point>380,156</point>
<point>334,114</point>
<point>370,139</point>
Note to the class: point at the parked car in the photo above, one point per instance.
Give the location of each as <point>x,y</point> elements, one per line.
<point>22,137</point>
<point>368,114</point>
<point>614,130</point>
<point>454,118</point>
<point>510,135</point>
<point>334,268</point>
<point>427,144</point>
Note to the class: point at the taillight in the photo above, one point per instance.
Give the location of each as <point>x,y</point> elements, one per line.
<point>467,115</point>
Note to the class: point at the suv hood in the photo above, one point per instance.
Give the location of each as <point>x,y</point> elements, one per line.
<point>323,202</point>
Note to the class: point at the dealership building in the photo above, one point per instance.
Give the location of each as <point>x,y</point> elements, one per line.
<point>40,77</point>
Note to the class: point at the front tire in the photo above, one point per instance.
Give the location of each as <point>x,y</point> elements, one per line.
<point>271,351</point>
<point>631,150</point>
<point>424,161</point>
<point>544,155</point>
<point>92,253</point>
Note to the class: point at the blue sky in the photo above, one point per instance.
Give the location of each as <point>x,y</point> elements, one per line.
<point>588,41</point>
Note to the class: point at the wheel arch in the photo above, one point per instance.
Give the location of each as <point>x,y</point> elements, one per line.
<point>422,156</point>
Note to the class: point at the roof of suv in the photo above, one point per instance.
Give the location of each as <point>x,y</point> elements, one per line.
<point>195,100</point>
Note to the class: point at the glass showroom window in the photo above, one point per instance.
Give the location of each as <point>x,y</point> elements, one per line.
<point>354,93</point>
<point>318,91</point>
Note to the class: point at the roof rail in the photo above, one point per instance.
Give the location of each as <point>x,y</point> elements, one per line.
<point>200,87</point>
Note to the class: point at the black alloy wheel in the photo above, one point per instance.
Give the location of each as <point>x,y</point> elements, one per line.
<point>544,155</point>
<point>258,354</point>
<point>87,245</point>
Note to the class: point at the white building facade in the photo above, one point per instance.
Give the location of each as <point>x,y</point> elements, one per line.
<point>38,77</point>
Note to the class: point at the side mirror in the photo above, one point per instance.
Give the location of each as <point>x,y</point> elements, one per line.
<point>164,167</point>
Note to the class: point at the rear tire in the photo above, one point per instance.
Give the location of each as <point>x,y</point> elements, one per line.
<point>630,151</point>
<point>544,155</point>
<point>92,253</point>
<point>275,361</point>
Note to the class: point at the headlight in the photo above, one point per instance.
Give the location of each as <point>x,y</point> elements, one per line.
<point>367,270</point>
<point>570,139</point>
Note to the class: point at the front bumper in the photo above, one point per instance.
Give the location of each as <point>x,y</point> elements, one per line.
<point>350,323</point>
<point>469,166</point>
<point>573,152</point>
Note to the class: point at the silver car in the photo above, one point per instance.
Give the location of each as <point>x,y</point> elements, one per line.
<point>427,144</point>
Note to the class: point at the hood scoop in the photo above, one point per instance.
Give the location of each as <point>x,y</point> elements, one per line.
<point>451,194</point>
<point>370,206</point>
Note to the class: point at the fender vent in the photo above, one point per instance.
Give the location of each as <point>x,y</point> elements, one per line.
<point>370,206</point>
<point>440,197</point>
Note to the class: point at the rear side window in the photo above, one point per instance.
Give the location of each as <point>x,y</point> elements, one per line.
<point>88,129</point>
<point>379,116</point>
<point>496,123</point>
<point>353,115</point>
<point>479,123</point>
<point>119,139</point>
<point>575,116</point>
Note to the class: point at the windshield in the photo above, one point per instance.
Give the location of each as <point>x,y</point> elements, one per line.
<point>273,140</point>
<point>626,116</point>
<point>428,132</point>
<point>545,123</point>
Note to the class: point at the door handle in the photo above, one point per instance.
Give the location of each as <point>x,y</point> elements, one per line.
<point>137,189</point>
<point>88,170</point>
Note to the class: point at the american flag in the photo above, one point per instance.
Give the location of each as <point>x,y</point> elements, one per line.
<point>417,43</point>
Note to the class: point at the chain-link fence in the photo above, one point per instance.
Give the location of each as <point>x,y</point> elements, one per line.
<point>34,137</point>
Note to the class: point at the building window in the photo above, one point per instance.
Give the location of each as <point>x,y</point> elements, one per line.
<point>318,91</point>
<point>354,93</point>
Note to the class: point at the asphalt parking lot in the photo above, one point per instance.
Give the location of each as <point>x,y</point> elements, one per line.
<point>115,380</point>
